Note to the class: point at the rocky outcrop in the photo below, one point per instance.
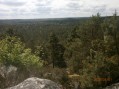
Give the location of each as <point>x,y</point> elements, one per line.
<point>36,83</point>
<point>113,86</point>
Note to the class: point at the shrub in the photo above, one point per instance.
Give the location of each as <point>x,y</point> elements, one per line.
<point>13,52</point>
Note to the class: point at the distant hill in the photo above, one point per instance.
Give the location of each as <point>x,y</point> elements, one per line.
<point>45,21</point>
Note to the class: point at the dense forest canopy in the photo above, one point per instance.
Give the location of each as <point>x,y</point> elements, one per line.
<point>88,47</point>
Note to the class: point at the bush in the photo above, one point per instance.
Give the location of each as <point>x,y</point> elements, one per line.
<point>13,52</point>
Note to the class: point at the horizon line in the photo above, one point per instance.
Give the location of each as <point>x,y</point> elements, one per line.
<point>49,18</point>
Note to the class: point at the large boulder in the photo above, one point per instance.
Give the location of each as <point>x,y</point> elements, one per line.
<point>113,86</point>
<point>36,83</point>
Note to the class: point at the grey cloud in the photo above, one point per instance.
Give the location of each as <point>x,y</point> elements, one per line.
<point>2,10</point>
<point>12,3</point>
<point>94,9</point>
<point>46,8</point>
<point>100,8</point>
<point>39,4</point>
<point>113,9</point>
<point>43,9</point>
<point>43,3</point>
<point>2,14</point>
<point>74,6</point>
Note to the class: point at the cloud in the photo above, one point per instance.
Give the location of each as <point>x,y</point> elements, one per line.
<point>98,8</point>
<point>14,9</point>
<point>3,10</point>
<point>12,3</point>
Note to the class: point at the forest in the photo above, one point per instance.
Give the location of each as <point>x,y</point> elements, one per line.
<point>65,50</point>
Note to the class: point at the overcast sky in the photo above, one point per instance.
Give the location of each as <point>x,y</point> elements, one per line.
<point>26,9</point>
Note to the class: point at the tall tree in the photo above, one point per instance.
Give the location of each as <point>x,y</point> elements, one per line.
<point>57,52</point>
<point>115,29</point>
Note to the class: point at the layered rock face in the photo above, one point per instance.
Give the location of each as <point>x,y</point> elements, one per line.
<point>36,83</point>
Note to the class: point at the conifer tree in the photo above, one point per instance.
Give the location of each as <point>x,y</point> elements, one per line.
<point>57,52</point>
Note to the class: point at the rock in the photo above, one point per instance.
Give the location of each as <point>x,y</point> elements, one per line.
<point>113,86</point>
<point>6,71</point>
<point>36,83</point>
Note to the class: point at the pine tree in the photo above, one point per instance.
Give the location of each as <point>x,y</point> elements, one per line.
<point>57,52</point>
<point>115,28</point>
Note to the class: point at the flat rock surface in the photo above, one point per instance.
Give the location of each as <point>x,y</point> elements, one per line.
<point>37,83</point>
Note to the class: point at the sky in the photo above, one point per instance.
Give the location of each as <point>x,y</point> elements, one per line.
<point>32,9</point>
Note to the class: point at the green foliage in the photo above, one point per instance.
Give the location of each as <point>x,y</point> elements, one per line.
<point>41,52</point>
<point>10,32</point>
<point>93,50</point>
<point>13,52</point>
<point>90,50</point>
<point>74,55</point>
<point>57,52</point>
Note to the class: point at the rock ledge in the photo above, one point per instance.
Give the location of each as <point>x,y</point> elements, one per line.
<point>37,83</point>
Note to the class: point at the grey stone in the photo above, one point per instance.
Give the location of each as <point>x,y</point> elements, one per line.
<point>6,71</point>
<point>37,83</point>
<point>113,86</point>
